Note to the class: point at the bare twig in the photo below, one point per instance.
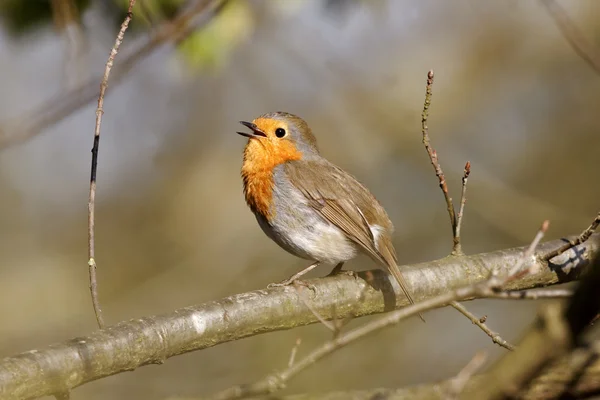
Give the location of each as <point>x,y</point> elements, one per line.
<point>278,380</point>
<point>91,202</point>
<point>328,324</point>
<point>148,340</point>
<point>516,270</point>
<point>455,221</point>
<point>533,294</point>
<point>192,18</point>
<point>293,352</point>
<point>578,42</point>
<point>458,383</point>
<point>574,242</point>
<point>463,201</point>
<point>496,338</point>
<point>336,324</point>
<point>432,153</point>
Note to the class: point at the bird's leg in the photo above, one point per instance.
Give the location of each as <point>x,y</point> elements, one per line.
<point>338,270</point>
<point>294,278</point>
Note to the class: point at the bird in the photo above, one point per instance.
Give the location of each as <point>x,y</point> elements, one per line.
<point>310,207</point>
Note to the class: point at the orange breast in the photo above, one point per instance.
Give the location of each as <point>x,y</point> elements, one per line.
<point>261,156</point>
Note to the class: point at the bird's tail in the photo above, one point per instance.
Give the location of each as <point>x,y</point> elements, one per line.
<point>402,282</point>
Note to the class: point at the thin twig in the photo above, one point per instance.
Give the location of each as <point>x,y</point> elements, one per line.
<point>533,294</point>
<point>496,338</point>
<point>585,235</point>
<point>458,383</point>
<point>432,153</point>
<point>293,352</point>
<point>92,198</point>
<point>578,42</point>
<point>336,324</point>
<point>455,221</point>
<point>463,200</point>
<point>278,380</point>
<point>328,324</point>
<point>528,253</point>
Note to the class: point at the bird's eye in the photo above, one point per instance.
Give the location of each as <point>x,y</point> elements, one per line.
<point>280,132</point>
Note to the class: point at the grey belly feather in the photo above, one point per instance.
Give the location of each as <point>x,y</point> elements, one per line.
<point>300,230</point>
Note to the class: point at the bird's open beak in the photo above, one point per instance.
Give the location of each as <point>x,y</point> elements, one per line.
<point>256,132</point>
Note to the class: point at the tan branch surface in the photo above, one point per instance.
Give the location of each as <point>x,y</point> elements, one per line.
<point>129,345</point>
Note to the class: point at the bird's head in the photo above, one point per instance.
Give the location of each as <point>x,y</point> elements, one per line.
<point>278,137</point>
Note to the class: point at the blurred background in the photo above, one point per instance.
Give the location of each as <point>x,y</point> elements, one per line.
<point>172,228</point>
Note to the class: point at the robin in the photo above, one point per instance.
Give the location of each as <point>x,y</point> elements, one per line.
<point>307,205</point>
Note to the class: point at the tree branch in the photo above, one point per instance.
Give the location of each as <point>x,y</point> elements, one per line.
<point>129,345</point>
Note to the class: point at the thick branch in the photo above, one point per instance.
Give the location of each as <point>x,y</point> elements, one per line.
<point>129,345</point>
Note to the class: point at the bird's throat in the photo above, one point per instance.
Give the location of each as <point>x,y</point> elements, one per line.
<point>258,190</point>
<point>261,156</point>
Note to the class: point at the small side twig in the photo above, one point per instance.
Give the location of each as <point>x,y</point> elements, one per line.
<point>585,235</point>
<point>516,271</point>
<point>533,294</point>
<point>328,324</point>
<point>293,352</point>
<point>458,383</point>
<point>496,338</point>
<point>336,324</point>
<point>455,221</point>
<point>92,198</point>
<point>463,201</point>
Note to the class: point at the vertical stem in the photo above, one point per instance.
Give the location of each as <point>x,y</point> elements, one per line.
<point>92,198</point>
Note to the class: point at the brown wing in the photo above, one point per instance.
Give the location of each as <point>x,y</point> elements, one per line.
<point>344,202</point>
<point>347,204</point>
